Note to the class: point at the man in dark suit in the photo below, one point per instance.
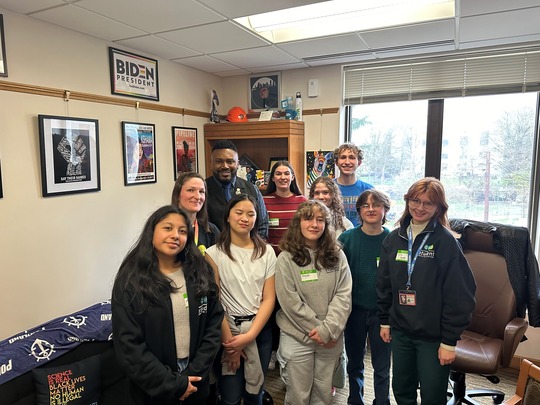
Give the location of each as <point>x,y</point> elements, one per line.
<point>224,184</point>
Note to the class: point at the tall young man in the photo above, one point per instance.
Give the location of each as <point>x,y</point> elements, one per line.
<point>348,157</point>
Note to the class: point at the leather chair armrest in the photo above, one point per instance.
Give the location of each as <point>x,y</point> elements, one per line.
<point>514,331</point>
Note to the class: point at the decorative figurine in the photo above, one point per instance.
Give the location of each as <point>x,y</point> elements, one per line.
<point>214,117</point>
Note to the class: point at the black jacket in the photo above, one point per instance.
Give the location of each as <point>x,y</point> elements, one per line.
<point>145,346</point>
<point>217,203</point>
<point>442,279</point>
<point>514,244</point>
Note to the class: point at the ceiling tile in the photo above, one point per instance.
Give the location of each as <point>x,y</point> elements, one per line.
<point>242,8</point>
<point>79,19</point>
<point>205,63</point>
<point>324,46</point>
<point>158,47</point>
<point>431,32</point>
<point>230,73</point>
<point>469,8</point>
<point>275,68</point>
<point>248,58</point>
<point>153,16</point>
<point>499,25</point>
<point>211,38</point>
<point>27,6</point>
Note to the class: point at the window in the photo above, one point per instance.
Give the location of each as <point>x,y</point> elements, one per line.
<point>485,159</point>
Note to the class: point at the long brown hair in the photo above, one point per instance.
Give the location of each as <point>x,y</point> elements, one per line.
<point>434,189</point>
<point>336,204</point>
<point>202,215</point>
<point>327,252</point>
<point>224,241</point>
<point>272,184</point>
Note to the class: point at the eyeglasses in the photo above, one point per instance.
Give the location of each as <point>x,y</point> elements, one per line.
<point>415,203</point>
<point>375,206</point>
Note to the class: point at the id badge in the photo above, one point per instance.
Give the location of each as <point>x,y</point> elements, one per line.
<point>309,275</point>
<point>407,297</point>
<point>273,221</point>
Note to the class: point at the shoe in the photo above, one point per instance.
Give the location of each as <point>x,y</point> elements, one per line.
<point>333,391</point>
<point>267,398</point>
<point>273,359</point>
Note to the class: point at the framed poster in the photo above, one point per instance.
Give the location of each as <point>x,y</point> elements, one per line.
<point>133,75</point>
<point>69,151</point>
<point>264,91</point>
<point>185,150</point>
<point>1,188</point>
<point>3,62</point>
<point>139,145</point>
<point>319,164</point>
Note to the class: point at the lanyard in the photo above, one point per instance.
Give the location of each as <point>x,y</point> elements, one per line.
<point>411,261</point>
<point>196,225</point>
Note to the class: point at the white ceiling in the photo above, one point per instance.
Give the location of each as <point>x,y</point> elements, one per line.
<point>202,34</point>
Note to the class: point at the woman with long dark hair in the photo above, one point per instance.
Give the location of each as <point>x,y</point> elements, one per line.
<point>166,314</point>
<point>244,266</point>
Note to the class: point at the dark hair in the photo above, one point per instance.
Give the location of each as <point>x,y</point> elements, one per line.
<point>377,197</point>
<point>271,183</point>
<point>336,205</point>
<point>224,144</point>
<point>327,253</point>
<point>435,191</point>
<point>346,146</point>
<point>224,240</point>
<point>140,272</point>
<point>202,215</point>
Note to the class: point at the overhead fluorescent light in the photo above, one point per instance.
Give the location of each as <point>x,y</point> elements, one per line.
<point>343,16</point>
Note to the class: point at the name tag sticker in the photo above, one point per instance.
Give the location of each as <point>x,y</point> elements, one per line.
<point>402,256</point>
<point>273,222</point>
<point>309,275</point>
<point>186,300</point>
<point>378,261</point>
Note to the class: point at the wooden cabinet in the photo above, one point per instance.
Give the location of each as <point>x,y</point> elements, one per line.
<point>261,141</point>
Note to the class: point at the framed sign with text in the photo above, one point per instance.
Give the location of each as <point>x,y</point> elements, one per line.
<point>133,75</point>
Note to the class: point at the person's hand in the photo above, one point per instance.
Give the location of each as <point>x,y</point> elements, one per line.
<point>190,388</point>
<point>385,334</point>
<point>331,344</point>
<point>446,356</point>
<point>314,335</point>
<point>233,360</point>
<point>237,343</point>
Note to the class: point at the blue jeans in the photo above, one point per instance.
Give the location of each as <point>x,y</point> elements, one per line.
<point>362,324</point>
<point>232,387</point>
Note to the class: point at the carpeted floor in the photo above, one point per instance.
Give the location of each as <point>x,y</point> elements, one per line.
<point>508,378</point>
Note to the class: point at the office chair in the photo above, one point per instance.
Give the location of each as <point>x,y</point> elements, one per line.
<point>495,331</point>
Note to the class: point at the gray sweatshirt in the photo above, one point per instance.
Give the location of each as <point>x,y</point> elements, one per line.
<point>312,298</point>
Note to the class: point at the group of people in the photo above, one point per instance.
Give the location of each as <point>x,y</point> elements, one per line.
<point>223,276</point>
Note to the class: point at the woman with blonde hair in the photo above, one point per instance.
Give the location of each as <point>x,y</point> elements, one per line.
<point>425,295</point>
<point>313,286</point>
<point>327,191</point>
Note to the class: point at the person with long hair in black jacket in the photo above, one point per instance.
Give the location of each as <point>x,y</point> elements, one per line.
<point>166,314</point>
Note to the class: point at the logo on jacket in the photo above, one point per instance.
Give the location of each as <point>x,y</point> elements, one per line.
<point>427,252</point>
<point>203,307</point>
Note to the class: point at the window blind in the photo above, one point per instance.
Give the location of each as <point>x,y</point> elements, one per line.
<point>481,73</point>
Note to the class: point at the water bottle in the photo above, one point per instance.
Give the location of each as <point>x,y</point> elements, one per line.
<point>298,106</point>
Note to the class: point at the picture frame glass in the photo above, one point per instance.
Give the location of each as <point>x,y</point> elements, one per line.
<point>264,91</point>
<point>139,153</point>
<point>69,151</point>
<point>185,150</point>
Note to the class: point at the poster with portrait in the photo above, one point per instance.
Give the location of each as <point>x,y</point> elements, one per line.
<point>69,151</point>
<point>318,164</point>
<point>184,149</point>
<point>138,140</point>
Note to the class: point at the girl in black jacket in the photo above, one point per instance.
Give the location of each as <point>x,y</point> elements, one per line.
<point>425,294</point>
<point>166,314</point>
